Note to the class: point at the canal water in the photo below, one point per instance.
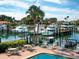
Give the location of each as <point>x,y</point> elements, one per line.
<point>74,36</point>
<point>12,37</point>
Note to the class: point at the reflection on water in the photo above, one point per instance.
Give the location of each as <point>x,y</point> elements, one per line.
<point>73,35</point>
<point>10,37</point>
<point>13,36</point>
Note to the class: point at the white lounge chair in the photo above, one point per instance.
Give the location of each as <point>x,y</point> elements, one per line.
<point>13,51</point>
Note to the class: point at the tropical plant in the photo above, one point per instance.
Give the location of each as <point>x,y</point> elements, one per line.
<point>36,15</point>
<point>5,45</point>
<point>27,20</point>
<point>6,18</point>
<point>66,18</point>
<point>76,22</point>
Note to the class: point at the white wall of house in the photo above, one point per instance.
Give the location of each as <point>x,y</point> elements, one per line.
<point>3,26</point>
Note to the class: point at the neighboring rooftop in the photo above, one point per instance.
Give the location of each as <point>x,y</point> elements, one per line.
<point>4,22</point>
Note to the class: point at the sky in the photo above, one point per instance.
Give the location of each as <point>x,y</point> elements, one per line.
<point>52,8</point>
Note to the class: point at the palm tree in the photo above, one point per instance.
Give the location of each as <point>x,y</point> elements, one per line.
<point>27,20</point>
<point>36,14</point>
<point>66,17</point>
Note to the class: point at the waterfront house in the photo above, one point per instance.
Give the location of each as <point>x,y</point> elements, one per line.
<point>3,25</point>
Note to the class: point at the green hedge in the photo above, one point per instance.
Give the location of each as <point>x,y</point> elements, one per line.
<point>5,45</point>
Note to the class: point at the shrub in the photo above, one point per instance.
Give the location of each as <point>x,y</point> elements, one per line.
<point>6,45</point>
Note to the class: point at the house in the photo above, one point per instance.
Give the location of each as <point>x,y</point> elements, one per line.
<point>3,25</point>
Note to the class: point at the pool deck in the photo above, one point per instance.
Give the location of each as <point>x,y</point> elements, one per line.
<point>26,54</point>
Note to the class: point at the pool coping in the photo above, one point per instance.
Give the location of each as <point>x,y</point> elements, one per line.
<point>46,53</point>
<point>44,50</point>
<point>31,56</point>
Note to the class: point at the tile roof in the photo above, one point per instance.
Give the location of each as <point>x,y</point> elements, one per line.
<point>4,22</point>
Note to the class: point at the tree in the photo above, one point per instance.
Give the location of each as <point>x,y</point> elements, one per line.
<point>66,18</point>
<point>36,15</point>
<point>77,22</point>
<point>6,18</point>
<point>27,20</point>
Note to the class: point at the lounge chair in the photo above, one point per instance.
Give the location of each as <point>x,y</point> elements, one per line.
<point>31,49</point>
<point>13,51</point>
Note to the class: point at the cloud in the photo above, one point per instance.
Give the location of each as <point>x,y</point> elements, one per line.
<point>22,6</point>
<point>54,1</point>
<point>18,11</point>
<point>60,13</point>
<point>17,15</point>
<point>13,12</point>
<point>61,17</point>
<point>16,3</point>
<point>60,10</point>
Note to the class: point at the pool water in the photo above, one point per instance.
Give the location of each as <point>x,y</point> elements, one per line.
<point>47,56</point>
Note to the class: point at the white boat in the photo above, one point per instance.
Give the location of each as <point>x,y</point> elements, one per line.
<point>47,33</point>
<point>41,28</point>
<point>20,28</point>
<point>78,28</point>
<point>50,30</point>
<point>52,27</point>
<point>50,37</point>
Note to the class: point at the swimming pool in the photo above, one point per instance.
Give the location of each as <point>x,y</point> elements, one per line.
<point>47,56</point>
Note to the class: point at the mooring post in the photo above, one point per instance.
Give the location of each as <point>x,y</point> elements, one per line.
<point>0,40</point>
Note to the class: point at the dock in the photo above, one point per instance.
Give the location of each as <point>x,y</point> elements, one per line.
<point>62,31</point>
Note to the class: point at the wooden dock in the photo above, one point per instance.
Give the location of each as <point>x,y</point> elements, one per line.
<point>62,31</point>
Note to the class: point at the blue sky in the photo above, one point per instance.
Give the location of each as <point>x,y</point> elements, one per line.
<point>52,8</point>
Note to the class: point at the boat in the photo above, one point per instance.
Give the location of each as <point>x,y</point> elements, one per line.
<point>20,28</point>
